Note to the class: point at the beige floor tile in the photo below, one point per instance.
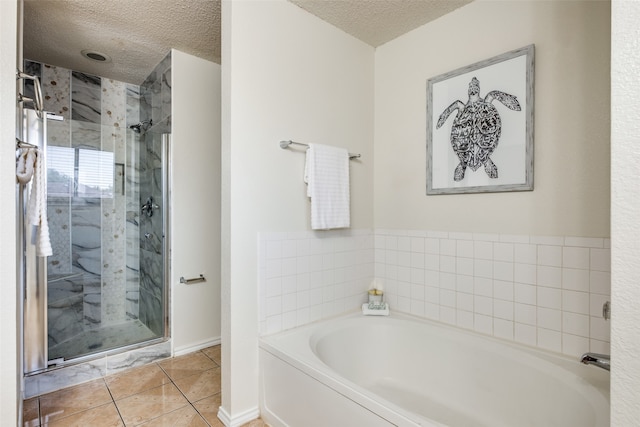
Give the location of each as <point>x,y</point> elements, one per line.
<point>30,415</point>
<point>197,387</point>
<point>190,364</point>
<point>101,416</point>
<point>150,404</point>
<point>208,408</point>
<point>214,354</point>
<point>136,380</point>
<point>254,423</point>
<point>183,417</point>
<point>69,401</point>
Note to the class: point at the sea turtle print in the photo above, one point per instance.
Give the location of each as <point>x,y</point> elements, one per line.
<point>476,129</point>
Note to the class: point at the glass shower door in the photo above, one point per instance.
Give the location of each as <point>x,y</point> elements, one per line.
<point>105,279</point>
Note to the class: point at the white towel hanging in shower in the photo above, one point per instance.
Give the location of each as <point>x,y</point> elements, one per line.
<point>24,165</point>
<point>327,178</point>
<point>37,207</point>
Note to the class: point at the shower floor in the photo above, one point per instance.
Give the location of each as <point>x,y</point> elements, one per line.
<point>102,339</point>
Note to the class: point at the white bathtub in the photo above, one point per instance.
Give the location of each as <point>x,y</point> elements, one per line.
<point>381,371</point>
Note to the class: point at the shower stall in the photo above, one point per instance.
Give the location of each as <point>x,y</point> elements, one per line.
<point>103,289</point>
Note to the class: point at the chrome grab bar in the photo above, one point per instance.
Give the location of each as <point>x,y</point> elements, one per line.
<point>600,360</point>
<point>194,280</point>
<point>22,144</point>
<point>286,144</point>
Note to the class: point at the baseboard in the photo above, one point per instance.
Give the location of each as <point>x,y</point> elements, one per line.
<point>239,419</point>
<point>180,351</point>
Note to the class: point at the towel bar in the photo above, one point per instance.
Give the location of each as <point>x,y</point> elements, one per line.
<point>286,144</point>
<point>194,280</point>
<point>23,144</point>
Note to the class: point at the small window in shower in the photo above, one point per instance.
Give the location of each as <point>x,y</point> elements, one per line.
<point>95,173</point>
<point>60,171</point>
<point>79,172</point>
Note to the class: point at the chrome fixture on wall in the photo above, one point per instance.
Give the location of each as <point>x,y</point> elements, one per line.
<point>286,144</point>
<point>600,360</point>
<point>143,126</point>
<point>37,102</point>
<point>199,279</point>
<point>606,310</point>
<point>149,207</point>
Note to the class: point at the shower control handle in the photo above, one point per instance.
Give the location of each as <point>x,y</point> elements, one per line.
<point>148,207</point>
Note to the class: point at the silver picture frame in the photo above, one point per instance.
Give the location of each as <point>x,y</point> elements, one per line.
<point>480,126</point>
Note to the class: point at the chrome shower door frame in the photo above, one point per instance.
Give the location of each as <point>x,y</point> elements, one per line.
<point>166,242</point>
<point>33,269</point>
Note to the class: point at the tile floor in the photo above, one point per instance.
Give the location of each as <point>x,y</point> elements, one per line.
<point>178,392</point>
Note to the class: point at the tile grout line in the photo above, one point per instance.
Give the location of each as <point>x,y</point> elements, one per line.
<point>188,400</point>
<point>183,394</point>
<point>162,385</point>
<point>171,381</point>
<point>192,403</point>
<point>114,401</point>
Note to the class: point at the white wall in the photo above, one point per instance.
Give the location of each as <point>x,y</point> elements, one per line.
<point>625,211</point>
<point>286,75</point>
<point>10,355</point>
<point>526,266</point>
<point>195,201</point>
<point>571,144</point>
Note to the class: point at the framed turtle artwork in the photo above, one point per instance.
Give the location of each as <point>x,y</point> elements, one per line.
<point>480,126</point>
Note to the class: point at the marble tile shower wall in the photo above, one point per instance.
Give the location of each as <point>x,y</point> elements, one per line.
<point>131,182</point>
<point>155,102</point>
<point>88,233</point>
<point>155,105</point>
<point>113,226</point>
<point>307,276</point>
<point>151,248</point>
<point>546,292</point>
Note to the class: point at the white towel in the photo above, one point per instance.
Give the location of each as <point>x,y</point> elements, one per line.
<point>24,165</point>
<point>327,176</point>
<point>37,207</point>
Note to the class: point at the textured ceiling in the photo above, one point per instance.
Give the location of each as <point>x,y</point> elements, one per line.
<point>376,22</point>
<point>137,34</point>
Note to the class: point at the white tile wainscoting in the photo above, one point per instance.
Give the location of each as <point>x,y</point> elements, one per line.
<point>546,292</point>
<point>308,276</point>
